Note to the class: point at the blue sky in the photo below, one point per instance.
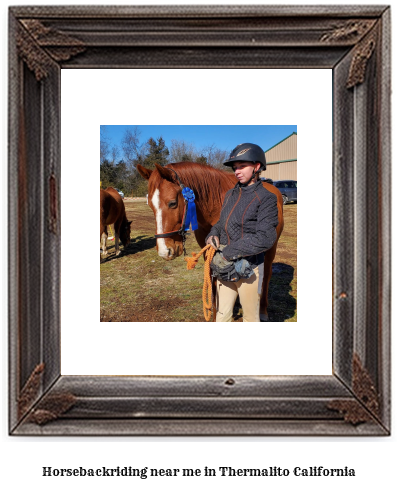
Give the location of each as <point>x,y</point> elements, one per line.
<point>224,137</point>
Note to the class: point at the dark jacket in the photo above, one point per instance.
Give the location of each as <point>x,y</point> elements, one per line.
<point>247,223</point>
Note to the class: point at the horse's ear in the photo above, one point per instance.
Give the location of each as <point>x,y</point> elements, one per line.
<point>165,172</point>
<point>146,173</point>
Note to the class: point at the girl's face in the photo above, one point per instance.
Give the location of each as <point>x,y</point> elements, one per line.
<point>244,170</point>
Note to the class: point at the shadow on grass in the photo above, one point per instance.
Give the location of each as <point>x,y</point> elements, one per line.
<point>141,243</point>
<point>282,305</point>
<point>138,244</point>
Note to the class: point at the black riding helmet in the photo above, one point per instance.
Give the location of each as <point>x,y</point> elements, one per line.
<point>249,153</point>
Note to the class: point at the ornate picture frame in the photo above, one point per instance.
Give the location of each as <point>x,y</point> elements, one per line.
<point>353,42</point>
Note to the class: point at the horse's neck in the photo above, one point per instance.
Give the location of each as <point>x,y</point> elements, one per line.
<point>208,207</point>
<point>124,217</point>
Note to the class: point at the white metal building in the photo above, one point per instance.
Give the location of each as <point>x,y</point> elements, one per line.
<point>281,160</point>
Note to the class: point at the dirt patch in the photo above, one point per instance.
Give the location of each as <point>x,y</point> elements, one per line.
<point>145,312</point>
<point>141,216</point>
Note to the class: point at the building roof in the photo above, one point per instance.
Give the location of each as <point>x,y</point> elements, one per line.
<point>278,143</point>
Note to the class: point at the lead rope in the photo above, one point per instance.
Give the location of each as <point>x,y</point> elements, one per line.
<point>207,287</point>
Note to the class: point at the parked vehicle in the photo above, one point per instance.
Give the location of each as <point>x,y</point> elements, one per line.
<point>267,180</point>
<point>121,193</point>
<point>288,189</point>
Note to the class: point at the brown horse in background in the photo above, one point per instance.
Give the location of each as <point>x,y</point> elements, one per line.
<point>112,211</point>
<point>210,186</point>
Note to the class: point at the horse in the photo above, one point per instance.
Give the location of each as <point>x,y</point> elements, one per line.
<point>209,185</point>
<point>112,211</point>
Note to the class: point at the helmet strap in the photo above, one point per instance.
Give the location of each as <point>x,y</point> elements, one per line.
<point>250,179</point>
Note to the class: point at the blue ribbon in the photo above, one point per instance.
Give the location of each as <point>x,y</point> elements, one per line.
<point>191,216</point>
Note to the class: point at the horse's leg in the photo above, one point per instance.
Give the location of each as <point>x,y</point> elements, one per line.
<point>117,251</point>
<point>103,238</point>
<point>269,257</point>
<point>117,228</point>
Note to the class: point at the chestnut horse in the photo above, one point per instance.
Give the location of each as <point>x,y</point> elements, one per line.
<point>112,211</point>
<point>209,186</point>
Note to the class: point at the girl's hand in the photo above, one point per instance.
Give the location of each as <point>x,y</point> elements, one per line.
<point>213,241</point>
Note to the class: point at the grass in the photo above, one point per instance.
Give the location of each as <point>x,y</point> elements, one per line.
<point>283,284</point>
<point>148,287</point>
<point>140,286</point>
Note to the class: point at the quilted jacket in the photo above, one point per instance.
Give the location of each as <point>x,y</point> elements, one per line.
<point>247,223</point>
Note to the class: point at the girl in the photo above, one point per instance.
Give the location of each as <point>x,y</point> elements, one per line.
<point>245,230</point>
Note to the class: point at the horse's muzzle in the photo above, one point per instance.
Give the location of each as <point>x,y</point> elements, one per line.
<point>170,253</point>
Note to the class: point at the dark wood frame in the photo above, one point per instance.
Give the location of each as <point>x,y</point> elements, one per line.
<point>353,41</point>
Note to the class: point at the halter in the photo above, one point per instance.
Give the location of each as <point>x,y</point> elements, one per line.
<point>189,198</point>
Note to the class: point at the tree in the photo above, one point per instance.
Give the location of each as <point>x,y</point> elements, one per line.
<point>115,175</point>
<point>182,151</point>
<point>215,156</point>
<point>107,174</point>
<point>121,176</point>
<point>114,154</point>
<point>133,151</point>
<point>201,159</point>
<point>137,184</point>
<point>104,144</point>
<point>157,152</point>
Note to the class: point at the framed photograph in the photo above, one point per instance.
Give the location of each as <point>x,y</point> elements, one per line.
<point>352,43</point>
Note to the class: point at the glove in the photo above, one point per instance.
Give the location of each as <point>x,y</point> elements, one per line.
<point>223,269</point>
<point>220,261</point>
<point>243,268</point>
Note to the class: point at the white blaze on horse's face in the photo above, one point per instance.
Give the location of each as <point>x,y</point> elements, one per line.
<point>162,249</point>
<point>168,206</point>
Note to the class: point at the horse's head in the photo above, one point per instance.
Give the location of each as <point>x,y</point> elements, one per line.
<point>166,200</point>
<point>124,233</point>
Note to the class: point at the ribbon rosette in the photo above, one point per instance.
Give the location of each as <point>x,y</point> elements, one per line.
<point>191,216</point>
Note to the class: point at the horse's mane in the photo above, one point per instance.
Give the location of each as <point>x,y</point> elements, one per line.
<point>208,183</point>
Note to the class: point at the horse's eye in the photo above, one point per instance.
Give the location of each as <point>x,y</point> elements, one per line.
<point>172,204</point>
